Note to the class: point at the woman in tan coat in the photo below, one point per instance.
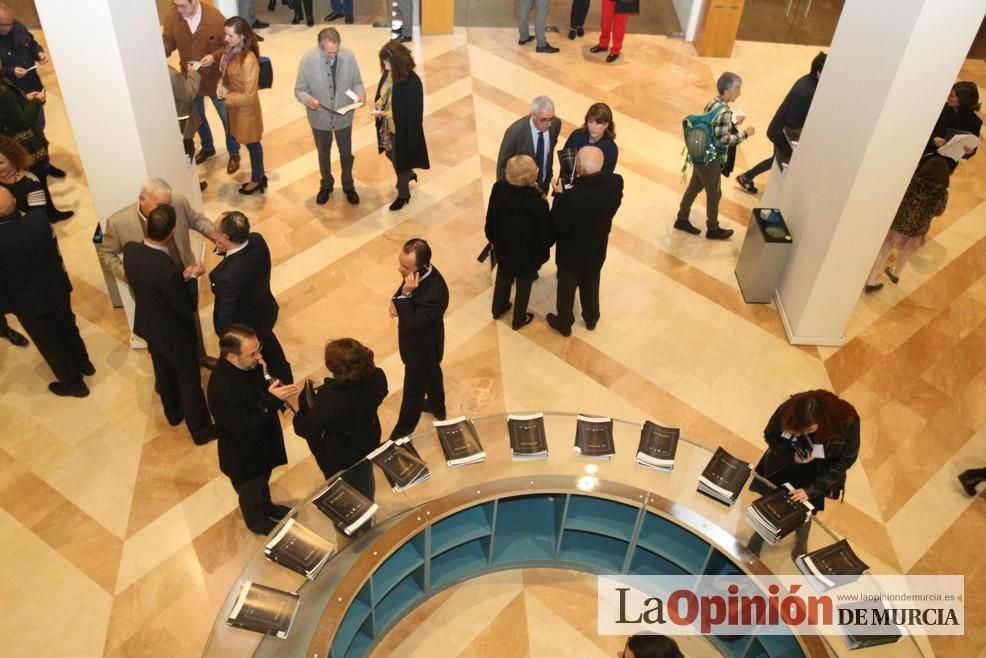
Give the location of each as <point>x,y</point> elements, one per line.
<point>240,70</point>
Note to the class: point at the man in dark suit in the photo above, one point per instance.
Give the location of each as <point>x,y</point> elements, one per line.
<point>419,306</point>
<point>251,443</point>
<point>37,290</point>
<point>241,283</point>
<point>535,135</point>
<point>163,316</point>
<point>582,217</point>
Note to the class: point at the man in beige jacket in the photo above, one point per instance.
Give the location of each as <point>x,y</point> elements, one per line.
<point>127,225</point>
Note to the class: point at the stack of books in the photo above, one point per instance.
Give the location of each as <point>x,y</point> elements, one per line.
<point>658,446</point>
<point>299,549</point>
<point>347,508</point>
<point>594,438</point>
<point>888,633</point>
<point>831,566</point>
<point>460,442</point>
<point>724,477</point>
<point>528,441</point>
<point>401,464</point>
<point>775,516</point>
<point>264,609</point>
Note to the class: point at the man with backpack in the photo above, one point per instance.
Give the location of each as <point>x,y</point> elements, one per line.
<point>707,138</point>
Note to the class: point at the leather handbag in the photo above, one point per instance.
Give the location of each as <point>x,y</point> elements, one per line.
<point>266,80</point>
<point>306,401</point>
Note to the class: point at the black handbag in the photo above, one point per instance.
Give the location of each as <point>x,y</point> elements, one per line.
<point>306,400</point>
<point>266,73</point>
<point>488,252</point>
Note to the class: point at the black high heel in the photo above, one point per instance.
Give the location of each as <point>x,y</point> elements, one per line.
<point>261,186</point>
<point>400,202</point>
<point>413,177</point>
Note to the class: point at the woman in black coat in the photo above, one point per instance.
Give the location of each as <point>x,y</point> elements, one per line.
<point>342,426</point>
<point>519,228</point>
<point>399,111</point>
<point>958,116</point>
<point>826,428</point>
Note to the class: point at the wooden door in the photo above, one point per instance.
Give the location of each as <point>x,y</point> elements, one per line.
<point>718,27</point>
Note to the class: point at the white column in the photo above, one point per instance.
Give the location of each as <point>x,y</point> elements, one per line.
<point>112,73</point>
<point>889,70</point>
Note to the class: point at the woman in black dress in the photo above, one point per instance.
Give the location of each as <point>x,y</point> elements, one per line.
<point>831,426</point>
<point>342,426</point>
<point>399,111</point>
<point>957,117</point>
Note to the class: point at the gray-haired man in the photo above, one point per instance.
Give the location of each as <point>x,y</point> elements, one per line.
<point>535,135</point>
<point>325,74</point>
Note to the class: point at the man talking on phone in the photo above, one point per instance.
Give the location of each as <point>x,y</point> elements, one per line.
<point>419,306</point>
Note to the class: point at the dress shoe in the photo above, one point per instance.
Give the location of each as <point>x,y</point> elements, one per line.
<point>277,512</point>
<point>233,165</point>
<point>400,202</point>
<point>439,414</point>
<point>251,187</point>
<point>202,185</point>
<point>60,215</point>
<point>350,20</point>
<point>298,17</point>
<point>352,197</point>
<point>15,337</point>
<point>263,527</point>
<point>598,49</point>
<point>323,197</point>
<point>612,57</point>
<point>872,287</point>
<point>272,5</point>
<point>208,362</point>
<point>528,317</point>
<point>55,172</point>
<point>309,21</point>
<point>259,25</point>
<point>206,435</point>
<point>591,326</point>
<point>687,227</point>
<point>76,389</point>
<point>718,234</point>
<point>969,479</point>
<point>333,17</point>
<point>87,369</point>
<point>203,155</point>
<point>524,42</point>
<point>554,324</point>
<point>413,178</point>
<point>581,32</point>
<point>406,39</point>
<point>497,316</point>
<point>891,275</point>
<point>547,48</point>
<point>571,34</point>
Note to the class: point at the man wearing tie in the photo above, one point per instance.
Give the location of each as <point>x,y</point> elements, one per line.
<point>535,135</point>
<point>241,284</point>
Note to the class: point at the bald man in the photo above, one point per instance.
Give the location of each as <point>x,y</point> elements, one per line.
<point>581,218</point>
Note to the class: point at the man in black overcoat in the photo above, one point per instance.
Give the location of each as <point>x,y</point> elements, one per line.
<point>251,443</point>
<point>164,309</point>
<point>581,218</point>
<point>38,291</point>
<point>419,306</point>
<point>241,284</point>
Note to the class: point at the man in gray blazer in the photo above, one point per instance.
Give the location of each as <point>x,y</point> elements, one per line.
<point>535,135</point>
<point>128,225</point>
<point>325,74</point>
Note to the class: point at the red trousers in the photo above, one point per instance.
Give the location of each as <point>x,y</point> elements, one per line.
<point>615,22</point>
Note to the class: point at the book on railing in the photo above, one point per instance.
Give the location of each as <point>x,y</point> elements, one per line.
<point>724,477</point>
<point>459,441</point>
<point>345,506</point>
<point>401,463</point>
<point>264,610</point>
<point>868,611</point>
<point>775,516</point>
<point>528,441</point>
<point>299,549</point>
<point>658,446</point>
<point>594,437</point>
<point>831,566</point>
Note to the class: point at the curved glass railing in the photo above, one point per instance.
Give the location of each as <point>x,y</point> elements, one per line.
<point>609,517</point>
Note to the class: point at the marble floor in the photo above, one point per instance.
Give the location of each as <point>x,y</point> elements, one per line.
<point>121,538</point>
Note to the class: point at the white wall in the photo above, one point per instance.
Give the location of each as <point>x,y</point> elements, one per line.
<point>688,12</point>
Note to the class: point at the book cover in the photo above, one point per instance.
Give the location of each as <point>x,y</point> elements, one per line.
<point>403,468</point>
<point>780,511</point>
<point>264,609</point>
<point>527,437</point>
<point>345,506</point>
<point>832,565</point>
<point>724,476</point>
<point>594,437</point>
<point>300,549</point>
<point>889,634</point>
<point>658,445</point>
<point>459,441</point>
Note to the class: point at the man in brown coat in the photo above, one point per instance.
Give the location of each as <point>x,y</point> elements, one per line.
<point>195,30</point>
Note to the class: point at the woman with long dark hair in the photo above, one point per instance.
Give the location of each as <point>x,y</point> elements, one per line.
<point>598,129</point>
<point>342,426</point>
<point>239,67</point>
<point>399,111</point>
<point>957,117</point>
<point>812,440</point>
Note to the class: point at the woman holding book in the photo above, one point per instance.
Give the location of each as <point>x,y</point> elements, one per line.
<point>342,426</point>
<point>812,440</point>
<point>956,118</point>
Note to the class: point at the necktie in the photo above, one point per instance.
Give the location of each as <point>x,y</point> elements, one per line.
<point>539,156</point>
